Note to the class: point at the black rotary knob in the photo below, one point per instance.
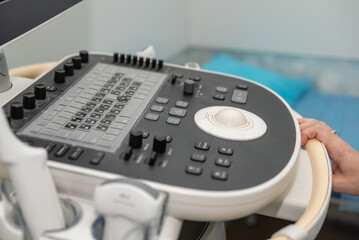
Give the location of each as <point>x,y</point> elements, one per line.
<point>69,68</point>
<point>28,100</point>
<point>128,58</point>
<point>159,144</point>
<point>136,138</point>
<point>84,55</point>
<point>59,76</point>
<point>122,58</point>
<point>115,56</point>
<point>188,86</point>
<point>77,62</point>
<point>140,61</point>
<point>40,92</point>
<point>16,110</point>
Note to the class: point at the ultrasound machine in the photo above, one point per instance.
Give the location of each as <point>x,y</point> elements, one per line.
<point>127,146</point>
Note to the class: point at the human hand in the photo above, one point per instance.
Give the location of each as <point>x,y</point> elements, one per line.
<point>345,160</point>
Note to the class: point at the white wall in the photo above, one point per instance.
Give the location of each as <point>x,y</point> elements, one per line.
<point>130,25</point>
<point>319,27</point>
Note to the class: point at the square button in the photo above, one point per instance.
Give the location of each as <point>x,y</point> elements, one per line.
<point>178,112</point>
<point>198,157</point>
<point>162,100</point>
<point>220,175</point>
<point>157,108</point>
<point>193,170</point>
<point>173,121</point>
<point>182,104</point>
<point>225,150</point>
<point>221,89</point>
<point>152,116</point>
<point>202,145</point>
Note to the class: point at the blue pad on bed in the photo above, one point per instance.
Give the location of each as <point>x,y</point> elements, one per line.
<point>291,89</point>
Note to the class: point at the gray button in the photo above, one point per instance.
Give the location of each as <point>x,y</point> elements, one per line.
<point>108,137</point>
<point>239,96</point>
<point>54,126</point>
<point>178,112</point>
<point>162,100</point>
<point>104,143</point>
<point>93,137</point>
<point>182,104</point>
<point>130,108</point>
<point>173,121</point>
<point>78,135</point>
<point>113,131</point>
<point>118,125</point>
<point>64,133</point>
<point>48,132</point>
<point>58,120</point>
<point>221,89</point>
<point>36,129</point>
<point>157,108</point>
<point>152,116</point>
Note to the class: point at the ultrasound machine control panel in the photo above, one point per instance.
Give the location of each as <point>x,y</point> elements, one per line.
<point>186,131</point>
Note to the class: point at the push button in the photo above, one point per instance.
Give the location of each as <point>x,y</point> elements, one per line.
<point>198,157</point>
<point>49,147</point>
<point>97,158</point>
<point>62,150</point>
<point>220,175</point>
<point>219,96</point>
<point>182,104</point>
<point>177,112</point>
<point>76,154</point>
<point>173,121</point>
<point>194,170</point>
<point>162,100</point>
<point>225,150</point>
<point>202,145</point>
<point>223,162</point>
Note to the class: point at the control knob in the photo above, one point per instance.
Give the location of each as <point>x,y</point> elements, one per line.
<point>28,100</point>
<point>136,138</point>
<point>16,110</point>
<point>40,91</point>
<point>59,76</point>
<point>159,144</point>
<point>77,62</point>
<point>188,86</point>
<point>69,69</point>
<point>84,55</point>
